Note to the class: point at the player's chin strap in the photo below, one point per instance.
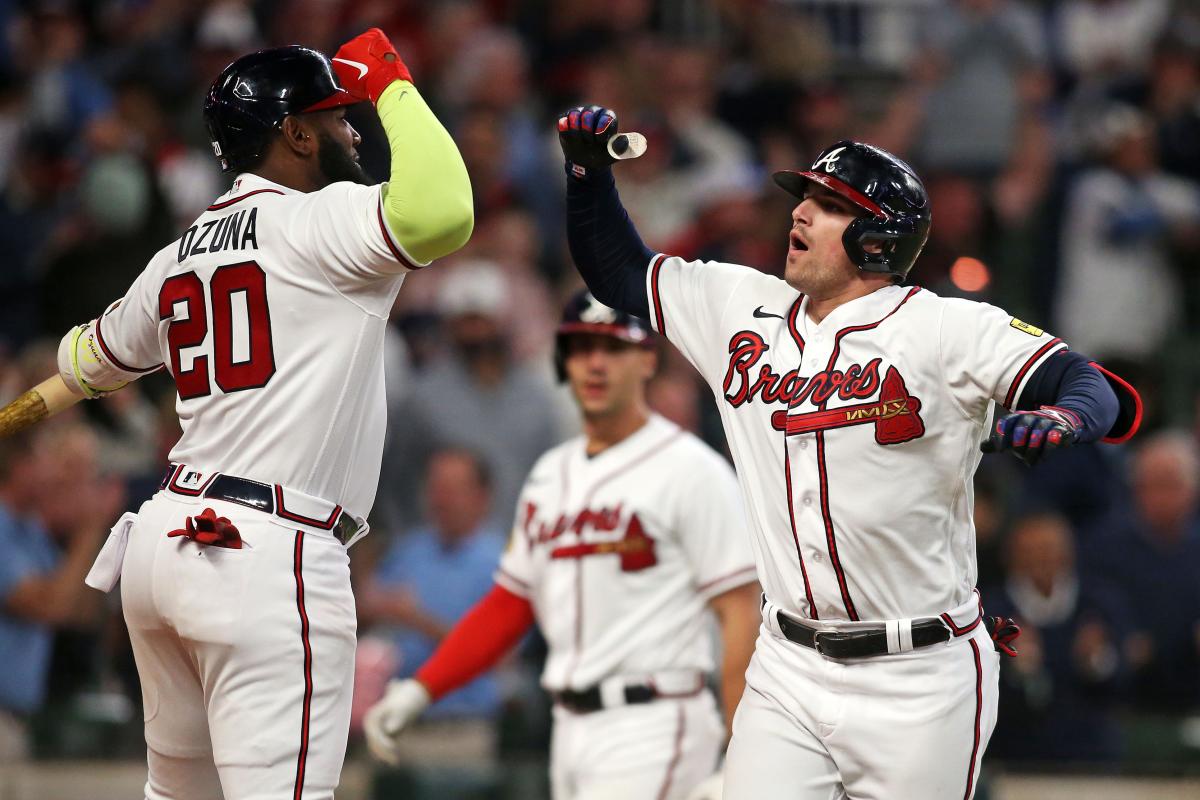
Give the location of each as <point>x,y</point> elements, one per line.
<point>1003,632</point>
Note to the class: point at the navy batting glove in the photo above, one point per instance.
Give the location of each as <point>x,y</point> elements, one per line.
<point>1032,434</point>
<point>1003,632</point>
<point>583,133</point>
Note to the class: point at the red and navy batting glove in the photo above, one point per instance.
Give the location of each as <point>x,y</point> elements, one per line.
<point>1032,434</point>
<point>584,133</point>
<point>368,64</point>
<point>1003,632</point>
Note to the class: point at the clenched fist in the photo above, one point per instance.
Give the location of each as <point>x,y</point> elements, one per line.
<point>368,64</point>
<point>584,133</point>
<point>1032,434</point>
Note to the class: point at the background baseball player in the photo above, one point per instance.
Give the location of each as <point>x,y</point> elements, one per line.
<point>622,538</point>
<point>269,313</point>
<point>854,408</point>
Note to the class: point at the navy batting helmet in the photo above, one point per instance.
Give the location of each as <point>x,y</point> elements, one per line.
<point>898,214</point>
<point>250,98</point>
<point>585,314</point>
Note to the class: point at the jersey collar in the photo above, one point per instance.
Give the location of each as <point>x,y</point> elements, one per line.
<point>859,311</point>
<point>247,182</point>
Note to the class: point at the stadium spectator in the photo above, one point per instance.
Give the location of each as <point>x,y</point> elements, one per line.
<point>477,397</point>
<point>1059,695</point>
<point>53,517</point>
<point>1121,293</point>
<point>433,574</point>
<point>1152,558</point>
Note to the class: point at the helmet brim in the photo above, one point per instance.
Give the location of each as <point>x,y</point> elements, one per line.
<point>625,333</point>
<point>796,183</point>
<point>339,98</point>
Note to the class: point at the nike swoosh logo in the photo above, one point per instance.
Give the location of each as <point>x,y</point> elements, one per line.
<point>361,67</point>
<point>760,314</point>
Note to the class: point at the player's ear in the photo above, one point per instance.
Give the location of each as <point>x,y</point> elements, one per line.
<point>299,137</point>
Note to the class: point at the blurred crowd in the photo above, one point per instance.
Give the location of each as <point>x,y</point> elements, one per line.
<point>1059,140</point>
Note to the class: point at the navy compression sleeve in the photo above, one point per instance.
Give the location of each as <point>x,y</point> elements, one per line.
<point>606,247</point>
<point>1067,380</point>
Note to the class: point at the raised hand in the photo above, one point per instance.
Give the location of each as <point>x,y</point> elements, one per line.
<point>368,64</point>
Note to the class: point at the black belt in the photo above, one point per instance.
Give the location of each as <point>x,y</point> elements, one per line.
<point>589,700</point>
<point>261,496</point>
<point>861,643</point>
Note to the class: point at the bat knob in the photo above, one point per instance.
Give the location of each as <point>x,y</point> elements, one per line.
<point>625,146</point>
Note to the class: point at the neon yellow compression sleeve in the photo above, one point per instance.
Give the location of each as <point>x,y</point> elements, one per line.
<point>427,201</point>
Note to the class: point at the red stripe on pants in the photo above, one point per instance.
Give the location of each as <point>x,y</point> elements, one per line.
<point>298,792</point>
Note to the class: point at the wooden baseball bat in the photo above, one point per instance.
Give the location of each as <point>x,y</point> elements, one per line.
<point>44,400</point>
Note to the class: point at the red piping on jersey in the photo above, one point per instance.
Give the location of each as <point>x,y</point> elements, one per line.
<point>659,321</point>
<point>826,516</point>
<point>302,759</point>
<point>666,787</point>
<point>116,361</point>
<point>1012,390</point>
<point>830,538</point>
<point>787,476</point>
<point>327,525</point>
<point>793,328</point>
<point>723,578</point>
<point>240,198</point>
<point>387,238</point>
<point>978,714</point>
<point>787,470</point>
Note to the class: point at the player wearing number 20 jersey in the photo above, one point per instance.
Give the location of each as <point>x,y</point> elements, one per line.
<point>287,294</point>
<point>269,313</point>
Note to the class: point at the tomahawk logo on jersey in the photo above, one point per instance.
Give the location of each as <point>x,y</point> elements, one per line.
<point>619,553</point>
<point>806,405</point>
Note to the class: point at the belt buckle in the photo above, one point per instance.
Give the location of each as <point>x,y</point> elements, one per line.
<point>817,642</point>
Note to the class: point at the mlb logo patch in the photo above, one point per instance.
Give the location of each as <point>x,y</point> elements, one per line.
<point>190,480</point>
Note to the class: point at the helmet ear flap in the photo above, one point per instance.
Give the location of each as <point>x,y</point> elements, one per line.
<point>238,137</point>
<point>892,235</point>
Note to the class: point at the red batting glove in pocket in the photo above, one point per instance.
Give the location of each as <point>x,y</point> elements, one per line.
<point>368,64</point>
<point>207,528</point>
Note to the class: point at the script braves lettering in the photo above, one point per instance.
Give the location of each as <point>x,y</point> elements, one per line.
<point>635,548</point>
<point>742,383</point>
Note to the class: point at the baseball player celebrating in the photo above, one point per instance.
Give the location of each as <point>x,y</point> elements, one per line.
<point>622,537</point>
<point>269,313</point>
<point>854,407</point>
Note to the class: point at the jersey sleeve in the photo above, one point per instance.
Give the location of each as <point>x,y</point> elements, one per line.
<point>516,570</point>
<point>687,302</point>
<point>712,526</point>
<point>341,229</point>
<point>127,331</point>
<point>987,354</point>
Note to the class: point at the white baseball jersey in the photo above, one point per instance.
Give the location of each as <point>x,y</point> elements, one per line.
<point>855,440</point>
<point>270,313</point>
<point>619,552</point>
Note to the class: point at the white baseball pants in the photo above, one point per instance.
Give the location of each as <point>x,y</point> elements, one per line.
<point>652,751</point>
<point>246,657</point>
<point>909,725</point>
